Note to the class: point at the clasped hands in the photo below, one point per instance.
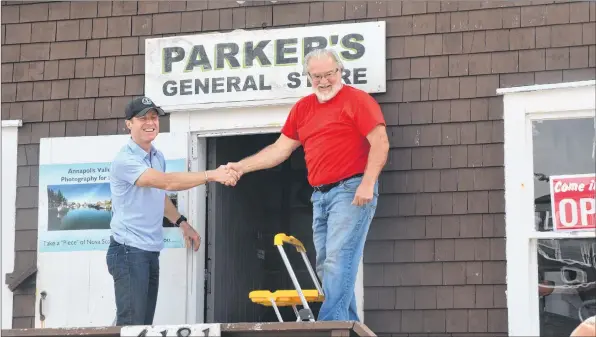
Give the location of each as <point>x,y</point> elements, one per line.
<point>228,174</point>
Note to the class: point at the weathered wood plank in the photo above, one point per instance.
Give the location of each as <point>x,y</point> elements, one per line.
<point>285,329</point>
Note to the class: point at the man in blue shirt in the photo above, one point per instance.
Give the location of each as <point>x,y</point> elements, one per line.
<point>138,183</point>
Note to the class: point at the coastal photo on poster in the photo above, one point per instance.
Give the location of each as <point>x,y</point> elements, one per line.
<point>79,206</point>
<point>75,207</point>
<point>85,206</point>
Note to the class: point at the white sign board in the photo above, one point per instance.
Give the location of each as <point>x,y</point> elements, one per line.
<point>265,66</point>
<point>186,330</point>
<point>74,232</point>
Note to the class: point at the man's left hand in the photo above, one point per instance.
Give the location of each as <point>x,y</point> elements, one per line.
<point>364,194</point>
<point>191,237</point>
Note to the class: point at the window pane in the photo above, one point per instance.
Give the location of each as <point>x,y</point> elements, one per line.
<point>567,284</point>
<point>561,147</point>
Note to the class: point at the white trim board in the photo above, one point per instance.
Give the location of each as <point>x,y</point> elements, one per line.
<point>12,123</point>
<point>8,186</point>
<point>543,87</point>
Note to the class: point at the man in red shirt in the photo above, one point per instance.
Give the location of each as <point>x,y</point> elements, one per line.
<point>342,130</point>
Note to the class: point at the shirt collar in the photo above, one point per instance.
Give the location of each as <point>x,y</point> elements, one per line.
<point>136,149</point>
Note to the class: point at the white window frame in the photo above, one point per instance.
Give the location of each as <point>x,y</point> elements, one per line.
<point>520,107</point>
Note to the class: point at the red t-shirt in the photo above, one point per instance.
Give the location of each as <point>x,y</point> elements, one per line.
<point>333,134</point>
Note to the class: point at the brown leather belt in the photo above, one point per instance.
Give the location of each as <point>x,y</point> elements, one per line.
<point>327,187</point>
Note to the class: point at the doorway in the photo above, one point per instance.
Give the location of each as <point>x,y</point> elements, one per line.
<point>241,224</point>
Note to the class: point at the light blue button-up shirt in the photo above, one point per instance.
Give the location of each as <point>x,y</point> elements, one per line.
<point>137,212</point>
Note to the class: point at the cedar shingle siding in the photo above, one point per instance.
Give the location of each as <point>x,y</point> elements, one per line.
<point>435,258</point>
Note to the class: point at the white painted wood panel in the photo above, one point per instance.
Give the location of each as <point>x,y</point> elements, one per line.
<point>79,288</point>
<point>8,186</point>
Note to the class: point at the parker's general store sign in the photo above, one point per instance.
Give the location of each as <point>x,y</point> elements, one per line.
<point>258,65</point>
<point>572,199</point>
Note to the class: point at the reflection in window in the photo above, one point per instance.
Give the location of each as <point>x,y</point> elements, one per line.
<point>567,284</point>
<point>560,147</point>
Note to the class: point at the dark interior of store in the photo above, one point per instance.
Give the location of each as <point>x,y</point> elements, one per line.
<point>242,222</point>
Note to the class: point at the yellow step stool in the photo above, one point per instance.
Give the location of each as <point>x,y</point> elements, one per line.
<point>284,298</point>
<point>293,298</point>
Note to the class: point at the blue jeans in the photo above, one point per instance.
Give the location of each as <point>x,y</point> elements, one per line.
<point>136,281</point>
<point>339,234</point>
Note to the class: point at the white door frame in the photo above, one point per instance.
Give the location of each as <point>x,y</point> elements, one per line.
<point>521,106</point>
<point>202,124</point>
<point>196,214</point>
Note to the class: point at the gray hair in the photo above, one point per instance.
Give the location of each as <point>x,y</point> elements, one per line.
<point>320,53</point>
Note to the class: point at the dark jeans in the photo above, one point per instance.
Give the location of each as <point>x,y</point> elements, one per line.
<point>136,281</point>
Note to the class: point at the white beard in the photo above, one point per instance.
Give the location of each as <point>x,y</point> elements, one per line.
<point>326,97</point>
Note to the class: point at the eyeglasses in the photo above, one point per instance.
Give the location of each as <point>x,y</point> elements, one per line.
<point>327,76</point>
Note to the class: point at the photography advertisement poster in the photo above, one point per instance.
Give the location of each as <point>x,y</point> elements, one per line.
<point>573,202</point>
<point>76,208</point>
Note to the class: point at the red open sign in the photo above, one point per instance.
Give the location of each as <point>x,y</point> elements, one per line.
<point>573,202</point>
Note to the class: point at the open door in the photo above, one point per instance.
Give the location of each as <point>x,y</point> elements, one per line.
<point>74,288</point>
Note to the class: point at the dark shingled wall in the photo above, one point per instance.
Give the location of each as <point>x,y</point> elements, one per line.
<point>435,259</point>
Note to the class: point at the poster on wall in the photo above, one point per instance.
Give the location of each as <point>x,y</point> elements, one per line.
<point>244,67</point>
<point>573,202</point>
<point>75,207</point>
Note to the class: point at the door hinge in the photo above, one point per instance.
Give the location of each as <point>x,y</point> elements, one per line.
<point>207,282</point>
<point>193,148</point>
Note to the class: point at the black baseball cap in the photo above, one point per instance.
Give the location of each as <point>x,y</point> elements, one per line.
<point>140,106</point>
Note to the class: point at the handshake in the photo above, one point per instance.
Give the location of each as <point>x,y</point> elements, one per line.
<point>228,174</point>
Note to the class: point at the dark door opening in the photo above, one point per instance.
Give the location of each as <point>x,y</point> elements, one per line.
<point>242,222</point>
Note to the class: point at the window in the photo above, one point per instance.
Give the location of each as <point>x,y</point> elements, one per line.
<point>551,266</point>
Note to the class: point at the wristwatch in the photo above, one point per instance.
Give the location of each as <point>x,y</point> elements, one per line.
<point>181,219</point>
